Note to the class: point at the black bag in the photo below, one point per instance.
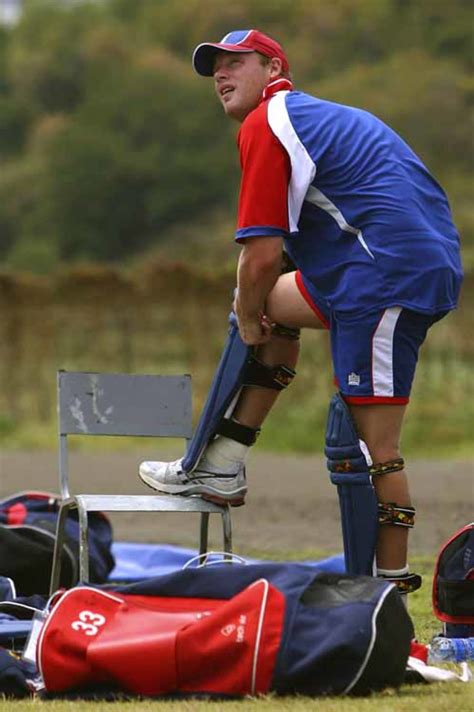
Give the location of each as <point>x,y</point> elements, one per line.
<point>453,584</point>
<point>27,535</point>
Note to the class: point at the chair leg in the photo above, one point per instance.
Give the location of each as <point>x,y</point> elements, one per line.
<point>83,542</point>
<point>58,548</point>
<point>204,535</point>
<point>227,530</point>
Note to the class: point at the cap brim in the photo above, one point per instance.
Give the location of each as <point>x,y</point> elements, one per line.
<point>204,56</point>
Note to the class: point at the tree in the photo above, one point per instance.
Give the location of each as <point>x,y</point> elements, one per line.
<point>143,153</point>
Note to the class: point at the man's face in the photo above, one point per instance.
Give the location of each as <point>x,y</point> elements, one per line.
<point>239,79</point>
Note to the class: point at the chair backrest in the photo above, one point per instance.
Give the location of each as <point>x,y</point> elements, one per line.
<point>121,404</point>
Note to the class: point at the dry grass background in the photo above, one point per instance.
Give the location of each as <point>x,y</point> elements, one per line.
<point>173,319</point>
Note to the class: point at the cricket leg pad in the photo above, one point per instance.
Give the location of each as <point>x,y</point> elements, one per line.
<point>224,389</point>
<point>237,368</point>
<point>348,467</point>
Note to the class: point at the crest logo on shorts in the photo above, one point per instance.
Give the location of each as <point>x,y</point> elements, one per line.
<point>353,379</point>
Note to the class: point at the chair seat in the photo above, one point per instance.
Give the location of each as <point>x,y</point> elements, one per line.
<point>144,503</point>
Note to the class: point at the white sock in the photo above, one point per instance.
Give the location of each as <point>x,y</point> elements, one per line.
<point>224,451</point>
<point>393,574</point>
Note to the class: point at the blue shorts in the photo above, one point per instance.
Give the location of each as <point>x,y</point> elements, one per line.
<point>374,355</point>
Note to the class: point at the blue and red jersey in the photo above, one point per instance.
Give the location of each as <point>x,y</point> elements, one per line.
<point>361,216</point>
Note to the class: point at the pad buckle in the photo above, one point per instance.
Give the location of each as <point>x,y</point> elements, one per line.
<point>258,373</point>
<point>283,375</point>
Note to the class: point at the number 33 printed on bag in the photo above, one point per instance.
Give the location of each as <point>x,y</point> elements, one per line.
<point>88,622</point>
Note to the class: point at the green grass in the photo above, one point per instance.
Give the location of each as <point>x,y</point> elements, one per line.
<point>433,698</point>
<point>439,697</point>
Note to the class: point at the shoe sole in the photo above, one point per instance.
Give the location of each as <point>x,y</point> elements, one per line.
<point>234,500</point>
<point>215,499</point>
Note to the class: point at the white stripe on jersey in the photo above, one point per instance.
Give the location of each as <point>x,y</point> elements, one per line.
<point>316,197</point>
<point>382,353</point>
<point>303,169</point>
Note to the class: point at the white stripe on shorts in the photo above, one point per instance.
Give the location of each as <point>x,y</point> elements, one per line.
<point>382,353</point>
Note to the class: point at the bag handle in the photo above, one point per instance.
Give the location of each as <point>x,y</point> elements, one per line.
<point>227,558</point>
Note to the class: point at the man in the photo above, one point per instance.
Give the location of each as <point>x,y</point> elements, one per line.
<point>377,258</point>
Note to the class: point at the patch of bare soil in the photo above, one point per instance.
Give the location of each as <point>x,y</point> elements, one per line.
<point>291,505</point>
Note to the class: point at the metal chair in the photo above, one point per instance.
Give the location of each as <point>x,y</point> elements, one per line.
<point>123,404</point>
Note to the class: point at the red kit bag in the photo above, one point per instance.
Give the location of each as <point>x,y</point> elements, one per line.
<point>156,646</point>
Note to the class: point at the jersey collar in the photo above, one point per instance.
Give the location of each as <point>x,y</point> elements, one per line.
<point>281,84</point>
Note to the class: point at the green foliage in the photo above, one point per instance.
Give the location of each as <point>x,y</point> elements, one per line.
<point>15,120</point>
<point>321,37</point>
<point>112,143</point>
<point>46,60</point>
<point>7,426</point>
<point>112,170</point>
<point>25,232</point>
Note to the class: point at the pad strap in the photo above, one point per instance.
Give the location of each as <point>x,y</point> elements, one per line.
<point>384,468</point>
<point>390,513</point>
<point>286,332</point>
<point>407,583</point>
<point>257,373</point>
<point>236,431</point>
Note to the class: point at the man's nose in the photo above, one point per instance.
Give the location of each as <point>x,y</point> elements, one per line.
<point>220,73</point>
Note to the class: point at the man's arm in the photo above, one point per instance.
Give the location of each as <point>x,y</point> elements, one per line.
<point>259,268</point>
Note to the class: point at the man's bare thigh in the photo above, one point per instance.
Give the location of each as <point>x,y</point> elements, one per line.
<point>286,305</point>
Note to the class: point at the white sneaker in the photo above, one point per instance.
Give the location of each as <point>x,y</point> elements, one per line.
<point>222,488</point>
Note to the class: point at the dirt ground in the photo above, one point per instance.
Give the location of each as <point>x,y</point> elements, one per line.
<point>291,505</point>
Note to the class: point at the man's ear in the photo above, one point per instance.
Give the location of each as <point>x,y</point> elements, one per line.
<point>276,67</point>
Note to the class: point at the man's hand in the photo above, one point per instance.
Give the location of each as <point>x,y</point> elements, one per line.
<point>259,268</point>
<point>254,331</point>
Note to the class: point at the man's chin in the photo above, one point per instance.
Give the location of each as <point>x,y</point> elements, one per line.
<point>229,109</point>
<point>235,112</point>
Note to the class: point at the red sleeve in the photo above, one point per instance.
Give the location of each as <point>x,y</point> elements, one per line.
<point>266,171</point>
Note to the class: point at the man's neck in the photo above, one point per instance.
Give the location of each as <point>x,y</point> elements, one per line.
<point>279,84</point>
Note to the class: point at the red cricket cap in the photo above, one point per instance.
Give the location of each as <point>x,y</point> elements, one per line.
<point>237,41</point>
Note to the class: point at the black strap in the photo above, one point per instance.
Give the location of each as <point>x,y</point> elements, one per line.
<point>236,431</point>
<point>407,583</point>
<point>257,373</point>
